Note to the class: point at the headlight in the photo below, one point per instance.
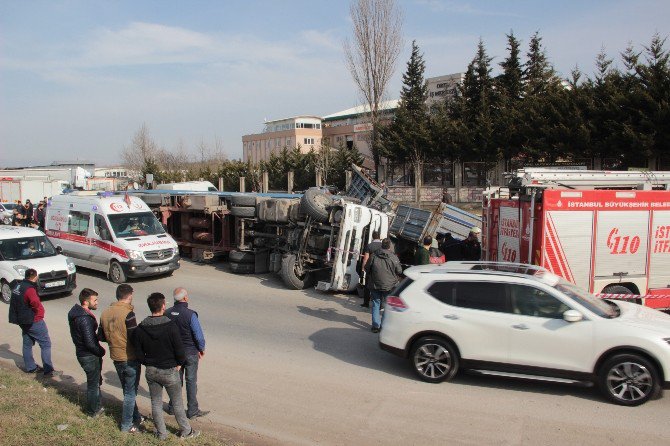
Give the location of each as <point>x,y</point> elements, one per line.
<point>134,255</point>
<point>70,266</point>
<point>21,270</point>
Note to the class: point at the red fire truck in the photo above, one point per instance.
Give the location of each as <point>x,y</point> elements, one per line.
<point>608,232</point>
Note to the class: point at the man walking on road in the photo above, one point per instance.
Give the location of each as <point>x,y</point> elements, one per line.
<point>24,298</point>
<point>382,271</point>
<point>372,247</point>
<point>83,326</point>
<point>193,340</point>
<point>116,326</point>
<point>159,347</point>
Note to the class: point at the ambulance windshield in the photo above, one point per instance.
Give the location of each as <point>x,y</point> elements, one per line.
<point>135,225</point>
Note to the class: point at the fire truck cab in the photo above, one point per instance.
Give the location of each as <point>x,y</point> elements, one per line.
<point>608,232</point>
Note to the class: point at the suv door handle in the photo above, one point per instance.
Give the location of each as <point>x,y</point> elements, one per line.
<point>521,326</point>
<point>453,317</point>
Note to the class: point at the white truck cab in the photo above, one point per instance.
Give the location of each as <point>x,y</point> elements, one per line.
<point>24,248</point>
<point>115,234</point>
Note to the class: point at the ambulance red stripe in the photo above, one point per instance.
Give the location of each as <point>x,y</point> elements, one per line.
<point>87,241</point>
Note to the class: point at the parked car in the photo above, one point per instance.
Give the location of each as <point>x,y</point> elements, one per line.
<point>24,248</point>
<point>6,211</point>
<point>521,321</point>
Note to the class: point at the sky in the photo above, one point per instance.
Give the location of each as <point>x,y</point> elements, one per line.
<point>79,78</point>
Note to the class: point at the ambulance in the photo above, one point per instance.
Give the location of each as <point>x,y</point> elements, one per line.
<point>115,234</point>
<point>608,232</point>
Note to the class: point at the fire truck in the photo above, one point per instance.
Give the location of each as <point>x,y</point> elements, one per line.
<point>608,232</point>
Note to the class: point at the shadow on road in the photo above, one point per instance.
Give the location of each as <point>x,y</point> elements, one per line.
<point>103,276</point>
<point>6,353</point>
<point>112,378</point>
<point>331,314</point>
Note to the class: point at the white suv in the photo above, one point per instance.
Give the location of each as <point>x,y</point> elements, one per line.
<point>522,321</point>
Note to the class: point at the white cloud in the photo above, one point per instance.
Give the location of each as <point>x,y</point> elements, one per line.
<point>458,7</point>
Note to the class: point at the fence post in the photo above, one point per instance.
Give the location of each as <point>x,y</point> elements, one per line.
<point>458,181</point>
<point>319,181</point>
<point>220,183</point>
<point>289,185</point>
<point>347,179</point>
<point>242,184</point>
<point>266,182</point>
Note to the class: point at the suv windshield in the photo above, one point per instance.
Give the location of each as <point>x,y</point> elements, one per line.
<point>26,248</point>
<point>585,299</point>
<point>135,225</point>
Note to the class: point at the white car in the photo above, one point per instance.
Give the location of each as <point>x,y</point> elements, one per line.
<point>6,213</point>
<point>23,248</point>
<point>522,321</point>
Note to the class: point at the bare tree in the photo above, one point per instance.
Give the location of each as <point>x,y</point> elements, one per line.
<point>372,56</point>
<point>141,151</point>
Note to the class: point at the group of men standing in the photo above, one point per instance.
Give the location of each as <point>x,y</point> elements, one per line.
<point>25,214</point>
<point>169,343</point>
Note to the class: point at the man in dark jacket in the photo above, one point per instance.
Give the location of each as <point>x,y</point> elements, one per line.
<point>452,248</point>
<point>83,326</point>
<point>372,247</point>
<point>158,346</point>
<point>472,248</point>
<point>382,270</point>
<point>422,255</point>
<point>194,345</point>
<point>40,214</point>
<point>24,294</point>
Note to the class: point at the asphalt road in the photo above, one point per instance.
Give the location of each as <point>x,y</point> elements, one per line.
<point>302,367</point>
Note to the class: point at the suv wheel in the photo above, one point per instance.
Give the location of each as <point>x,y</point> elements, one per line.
<point>6,291</point>
<point>434,359</point>
<point>628,379</point>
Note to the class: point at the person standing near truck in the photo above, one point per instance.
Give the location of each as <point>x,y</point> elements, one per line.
<point>422,255</point>
<point>372,247</point>
<point>382,271</point>
<point>472,249</point>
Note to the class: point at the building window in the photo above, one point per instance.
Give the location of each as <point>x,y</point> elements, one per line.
<point>309,141</point>
<point>277,142</point>
<point>288,142</point>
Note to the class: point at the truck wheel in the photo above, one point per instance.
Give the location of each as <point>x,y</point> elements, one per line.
<point>315,204</point>
<point>243,200</point>
<point>629,379</point>
<point>243,211</point>
<point>241,257</point>
<point>616,289</point>
<point>116,273</point>
<point>292,279</point>
<point>242,268</point>
<point>6,292</point>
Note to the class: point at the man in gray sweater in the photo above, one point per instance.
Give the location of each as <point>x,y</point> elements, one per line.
<point>382,271</point>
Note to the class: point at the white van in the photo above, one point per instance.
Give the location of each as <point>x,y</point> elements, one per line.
<point>115,234</point>
<point>25,248</point>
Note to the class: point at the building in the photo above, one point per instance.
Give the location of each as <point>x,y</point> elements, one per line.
<point>299,131</point>
<point>115,172</point>
<point>443,88</point>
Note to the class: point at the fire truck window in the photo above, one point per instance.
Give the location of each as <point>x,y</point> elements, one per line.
<point>530,301</point>
<point>78,223</point>
<point>489,296</point>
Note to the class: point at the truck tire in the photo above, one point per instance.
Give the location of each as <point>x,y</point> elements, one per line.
<point>291,279</point>
<point>242,268</point>
<point>315,204</point>
<point>116,273</point>
<point>243,200</point>
<point>241,257</point>
<point>243,211</point>
<point>616,289</point>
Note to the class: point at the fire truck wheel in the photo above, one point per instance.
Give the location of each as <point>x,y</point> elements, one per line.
<point>242,257</point>
<point>292,279</point>
<point>243,211</point>
<point>629,379</point>
<point>242,268</point>
<point>315,204</point>
<point>243,200</point>
<point>616,289</point>
<point>116,273</point>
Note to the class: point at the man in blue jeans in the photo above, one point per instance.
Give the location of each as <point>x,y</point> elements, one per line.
<point>116,326</point>
<point>194,345</point>
<point>83,326</point>
<point>24,297</point>
<point>382,271</point>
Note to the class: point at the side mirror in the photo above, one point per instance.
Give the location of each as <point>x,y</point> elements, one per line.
<point>59,250</point>
<point>572,316</point>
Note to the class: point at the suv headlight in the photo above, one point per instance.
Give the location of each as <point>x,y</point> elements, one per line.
<point>134,255</point>
<point>71,268</point>
<point>21,270</point>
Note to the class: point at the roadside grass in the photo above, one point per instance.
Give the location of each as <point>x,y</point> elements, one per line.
<point>37,412</point>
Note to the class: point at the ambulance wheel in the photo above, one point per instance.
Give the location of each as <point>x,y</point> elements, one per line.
<point>6,292</point>
<point>116,273</point>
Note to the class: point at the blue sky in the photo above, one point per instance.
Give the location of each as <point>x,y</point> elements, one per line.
<point>78,78</point>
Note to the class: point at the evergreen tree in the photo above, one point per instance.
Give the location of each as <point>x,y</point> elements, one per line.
<point>510,87</point>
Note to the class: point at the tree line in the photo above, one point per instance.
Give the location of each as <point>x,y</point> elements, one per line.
<point>526,114</point>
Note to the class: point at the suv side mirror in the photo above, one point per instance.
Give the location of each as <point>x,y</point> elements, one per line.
<point>59,250</point>
<point>572,316</point>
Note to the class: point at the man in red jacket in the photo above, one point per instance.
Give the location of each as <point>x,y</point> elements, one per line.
<point>37,331</point>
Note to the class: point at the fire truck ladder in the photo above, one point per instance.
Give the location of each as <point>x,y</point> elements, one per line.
<point>593,179</point>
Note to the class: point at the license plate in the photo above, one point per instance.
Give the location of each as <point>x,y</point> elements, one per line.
<point>160,269</point>
<point>54,284</point>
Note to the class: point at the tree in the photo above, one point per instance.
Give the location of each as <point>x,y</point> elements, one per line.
<point>510,88</point>
<point>372,56</point>
<point>141,154</point>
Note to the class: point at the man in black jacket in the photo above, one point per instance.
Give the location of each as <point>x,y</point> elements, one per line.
<point>159,347</point>
<point>83,326</point>
<point>382,271</point>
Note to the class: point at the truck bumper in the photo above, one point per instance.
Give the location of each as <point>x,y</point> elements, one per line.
<point>140,268</point>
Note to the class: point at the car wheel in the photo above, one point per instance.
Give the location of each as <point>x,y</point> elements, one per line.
<point>6,292</point>
<point>243,211</point>
<point>242,268</point>
<point>629,379</point>
<point>116,273</point>
<point>434,359</point>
